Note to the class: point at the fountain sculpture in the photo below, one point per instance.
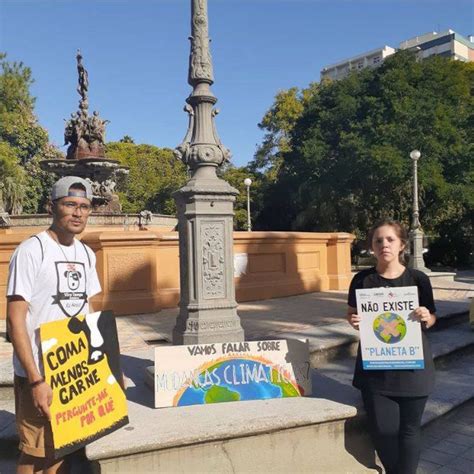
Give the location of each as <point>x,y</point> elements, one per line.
<point>85,157</point>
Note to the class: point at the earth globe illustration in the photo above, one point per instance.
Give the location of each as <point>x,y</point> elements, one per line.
<point>236,379</point>
<point>389,327</point>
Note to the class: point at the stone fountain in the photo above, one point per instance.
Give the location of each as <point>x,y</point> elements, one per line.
<point>85,157</point>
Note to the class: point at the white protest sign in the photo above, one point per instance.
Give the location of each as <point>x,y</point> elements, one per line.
<point>231,371</point>
<point>390,338</point>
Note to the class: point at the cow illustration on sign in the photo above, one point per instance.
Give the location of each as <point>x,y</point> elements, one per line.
<point>90,327</point>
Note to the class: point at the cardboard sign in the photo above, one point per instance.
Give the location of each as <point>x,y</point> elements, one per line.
<point>390,338</point>
<point>81,365</point>
<point>231,371</point>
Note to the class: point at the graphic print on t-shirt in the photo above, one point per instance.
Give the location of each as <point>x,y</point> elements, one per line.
<point>71,287</point>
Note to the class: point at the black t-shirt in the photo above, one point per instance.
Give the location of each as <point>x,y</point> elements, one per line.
<point>413,383</point>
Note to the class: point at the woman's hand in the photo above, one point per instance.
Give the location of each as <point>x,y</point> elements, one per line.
<point>354,319</point>
<point>423,315</point>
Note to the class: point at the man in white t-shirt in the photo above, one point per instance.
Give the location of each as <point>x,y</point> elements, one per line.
<point>52,276</point>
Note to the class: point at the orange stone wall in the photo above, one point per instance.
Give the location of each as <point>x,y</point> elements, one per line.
<point>139,270</point>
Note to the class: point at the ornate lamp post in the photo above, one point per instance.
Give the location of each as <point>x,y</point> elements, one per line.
<point>208,310</point>
<point>416,234</point>
<point>248,182</point>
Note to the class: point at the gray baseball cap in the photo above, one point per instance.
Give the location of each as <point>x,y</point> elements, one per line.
<point>61,188</point>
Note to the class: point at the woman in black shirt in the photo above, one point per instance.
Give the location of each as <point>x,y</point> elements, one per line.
<point>394,399</point>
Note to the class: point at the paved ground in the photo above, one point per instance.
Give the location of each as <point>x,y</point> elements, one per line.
<point>449,443</point>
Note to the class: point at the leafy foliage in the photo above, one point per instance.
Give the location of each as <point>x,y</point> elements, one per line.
<point>278,122</point>
<point>12,184</point>
<point>18,124</point>
<point>23,142</point>
<point>154,175</point>
<point>39,182</point>
<point>347,163</point>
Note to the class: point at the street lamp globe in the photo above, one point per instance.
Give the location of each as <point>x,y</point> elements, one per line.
<point>247,182</point>
<point>415,154</point>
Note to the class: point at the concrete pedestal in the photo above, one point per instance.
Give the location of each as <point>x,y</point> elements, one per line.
<point>416,260</point>
<point>208,309</point>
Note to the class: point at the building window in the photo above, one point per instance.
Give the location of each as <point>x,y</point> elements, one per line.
<point>360,64</point>
<point>376,60</point>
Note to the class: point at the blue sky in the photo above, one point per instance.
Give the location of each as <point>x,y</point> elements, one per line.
<point>136,53</point>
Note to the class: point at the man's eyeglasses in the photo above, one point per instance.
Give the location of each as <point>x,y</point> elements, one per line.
<point>72,207</point>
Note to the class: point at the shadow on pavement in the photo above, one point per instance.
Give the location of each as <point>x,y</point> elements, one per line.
<point>134,369</point>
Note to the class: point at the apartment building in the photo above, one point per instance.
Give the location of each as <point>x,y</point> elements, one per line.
<point>447,43</point>
<point>370,59</point>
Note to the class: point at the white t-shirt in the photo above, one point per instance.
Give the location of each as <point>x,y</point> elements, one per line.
<point>55,280</point>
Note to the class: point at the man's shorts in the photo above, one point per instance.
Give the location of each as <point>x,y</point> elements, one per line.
<point>34,429</point>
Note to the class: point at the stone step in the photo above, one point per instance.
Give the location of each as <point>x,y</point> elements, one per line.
<point>454,386</point>
<point>450,343</point>
<point>451,319</point>
<point>8,434</point>
<point>6,380</point>
<point>454,382</point>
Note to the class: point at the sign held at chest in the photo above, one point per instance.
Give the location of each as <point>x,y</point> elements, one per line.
<point>81,362</point>
<point>389,335</point>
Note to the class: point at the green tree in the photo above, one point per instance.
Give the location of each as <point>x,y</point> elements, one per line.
<point>278,124</point>
<point>39,182</point>
<point>18,123</point>
<point>13,177</point>
<point>348,160</point>
<point>23,142</point>
<point>154,175</point>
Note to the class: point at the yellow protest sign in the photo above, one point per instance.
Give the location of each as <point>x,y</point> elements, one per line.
<point>81,363</point>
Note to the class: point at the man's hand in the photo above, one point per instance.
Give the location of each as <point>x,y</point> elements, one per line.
<point>42,398</point>
<point>42,394</point>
